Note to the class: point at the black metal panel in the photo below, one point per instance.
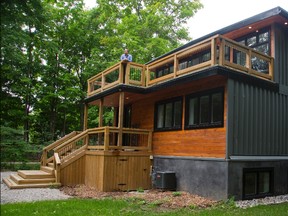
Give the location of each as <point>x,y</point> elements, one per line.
<point>281,55</point>
<point>257,120</point>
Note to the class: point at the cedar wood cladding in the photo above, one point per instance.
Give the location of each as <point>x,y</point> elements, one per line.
<point>209,142</point>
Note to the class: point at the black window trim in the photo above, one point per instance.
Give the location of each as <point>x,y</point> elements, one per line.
<point>257,171</point>
<point>261,31</point>
<point>173,100</point>
<point>198,95</point>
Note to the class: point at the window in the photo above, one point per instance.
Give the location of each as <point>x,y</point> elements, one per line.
<point>257,182</point>
<point>205,109</point>
<point>168,115</point>
<point>167,69</point>
<point>259,41</point>
<point>195,59</point>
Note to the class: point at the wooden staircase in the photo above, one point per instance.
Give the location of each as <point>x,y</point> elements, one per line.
<point>45,177</point>
<point>55,156</point>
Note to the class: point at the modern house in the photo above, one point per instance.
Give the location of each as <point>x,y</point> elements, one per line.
<point>214,112</point>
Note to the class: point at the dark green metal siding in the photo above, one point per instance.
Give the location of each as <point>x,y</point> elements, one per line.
<point>281,55</point>
<point>257,121</point>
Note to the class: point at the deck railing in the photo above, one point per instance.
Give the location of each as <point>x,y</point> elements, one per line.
<point>123,72</point>
<point>217,50</point>
<point>114,138</point>
<point>102,138</point>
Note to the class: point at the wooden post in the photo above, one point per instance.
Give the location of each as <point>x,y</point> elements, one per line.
<point>85,118</point>
<point>147,76</point>
<point>213,51</point>
<point>248,60</point>
<point>127,73</point>
<point>121,72</point>
<point>175,65</point>
<point>106,139</point>
<point>143,77</point>
<point>101,112</point>
<point>100,136</point>
<point>120,118</point>
<point>221,51</point>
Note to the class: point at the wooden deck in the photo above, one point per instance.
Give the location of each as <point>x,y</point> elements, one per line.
<point>217,50</point>
<point>94,157</point>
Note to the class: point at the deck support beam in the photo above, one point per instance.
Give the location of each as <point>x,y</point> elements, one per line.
<point>120,117</point>
<point>85,117</point>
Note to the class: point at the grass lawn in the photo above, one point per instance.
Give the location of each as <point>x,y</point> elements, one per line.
<point>86,207</point>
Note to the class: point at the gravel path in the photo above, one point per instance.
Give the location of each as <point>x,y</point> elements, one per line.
<point>28,195</point>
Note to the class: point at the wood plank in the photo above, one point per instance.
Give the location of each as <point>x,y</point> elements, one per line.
<point>34,174</point>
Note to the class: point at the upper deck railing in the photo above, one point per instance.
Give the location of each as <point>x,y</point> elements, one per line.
<point>216,50</point>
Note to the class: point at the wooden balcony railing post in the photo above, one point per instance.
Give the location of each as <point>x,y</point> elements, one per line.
<point>127,73</point>
<point>176,63</point>
<point>143,77</point>
<point>102,82</point>
<point>248,61</point>
<point>221,51</point>
<point>106,138</point>
<point>271,68</point>
<point>213,51</point>
<point>148,77</point>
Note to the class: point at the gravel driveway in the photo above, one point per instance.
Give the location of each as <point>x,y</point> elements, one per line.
<point>28,195</point>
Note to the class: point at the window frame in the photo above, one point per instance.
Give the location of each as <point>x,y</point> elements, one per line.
<point>165,102</point>
<point>257,171</point>
<point>198,95</point>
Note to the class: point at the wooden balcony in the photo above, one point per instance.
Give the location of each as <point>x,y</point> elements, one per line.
<point>216,50</point>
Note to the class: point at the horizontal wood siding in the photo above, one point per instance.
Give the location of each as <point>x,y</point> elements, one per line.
<point>73,173</point>
<point>195,142</point>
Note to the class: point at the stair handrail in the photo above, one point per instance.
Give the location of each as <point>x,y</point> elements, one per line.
<point>44,159</point>
<point>73,139</point>
<point>57,164</point>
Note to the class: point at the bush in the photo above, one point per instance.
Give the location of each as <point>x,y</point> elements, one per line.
<point>15,149</point>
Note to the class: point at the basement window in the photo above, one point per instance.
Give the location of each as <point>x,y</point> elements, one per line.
<point>257,183</point>
<point>168,115</point>
<point>205,109</point>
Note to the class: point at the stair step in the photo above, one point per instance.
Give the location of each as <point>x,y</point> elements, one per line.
<point>20,180</point>
<point>51,165</point>
<point>11,184</point>
<point>35,174</point>
<point>47,169</point>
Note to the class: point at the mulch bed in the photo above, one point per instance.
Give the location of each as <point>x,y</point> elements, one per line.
<point>164,199</point>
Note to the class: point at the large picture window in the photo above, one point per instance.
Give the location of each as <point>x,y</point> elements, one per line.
<point>205,109</point>
<point>257,182</point>
<point>168,115</point>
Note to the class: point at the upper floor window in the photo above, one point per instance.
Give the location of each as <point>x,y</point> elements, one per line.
<point>195,59</point>
<point>259,41</point>
<point>167,69</point>
<point>168,115</point>
<point>205,109</point>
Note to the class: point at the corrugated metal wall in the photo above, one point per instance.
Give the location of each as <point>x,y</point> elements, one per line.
<point>257,120</point>
<point>281,55</point>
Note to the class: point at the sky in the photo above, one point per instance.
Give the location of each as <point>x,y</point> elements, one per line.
<point>218,14</point>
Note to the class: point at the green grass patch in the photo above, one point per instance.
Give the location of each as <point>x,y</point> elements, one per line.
<point>108,206</point>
